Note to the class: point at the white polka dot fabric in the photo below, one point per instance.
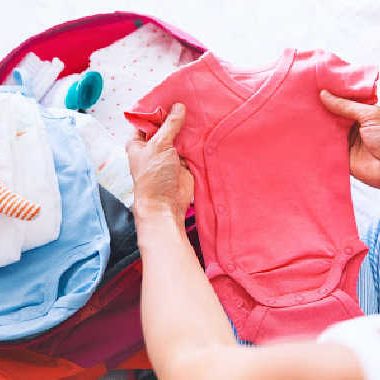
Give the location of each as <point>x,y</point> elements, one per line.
<point>131,67</point>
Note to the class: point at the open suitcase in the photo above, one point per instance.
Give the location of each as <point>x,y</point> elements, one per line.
<point>58,353</point>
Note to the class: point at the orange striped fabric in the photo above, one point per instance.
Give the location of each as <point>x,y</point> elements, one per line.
<point>16,206</point>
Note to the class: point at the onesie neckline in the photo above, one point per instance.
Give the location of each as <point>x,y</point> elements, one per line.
<point>251,101</point>
<point>279,70</point>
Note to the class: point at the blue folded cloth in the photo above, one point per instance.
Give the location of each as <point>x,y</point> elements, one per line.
<point>52,282</point>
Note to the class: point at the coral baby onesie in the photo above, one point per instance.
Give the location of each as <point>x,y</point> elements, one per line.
<point>272,189</point>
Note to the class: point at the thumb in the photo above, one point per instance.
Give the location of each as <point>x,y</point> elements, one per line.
<point>344,107</point>
<point>165,136</point>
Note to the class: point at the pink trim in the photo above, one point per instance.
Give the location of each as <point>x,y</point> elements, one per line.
<point>15,56</point>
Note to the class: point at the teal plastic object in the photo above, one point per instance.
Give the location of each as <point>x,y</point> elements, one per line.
<point>84,93</point>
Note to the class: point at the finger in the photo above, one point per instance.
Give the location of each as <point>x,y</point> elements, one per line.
<point>137,143</point>
<point>165,136</point>
<point>344,107</point>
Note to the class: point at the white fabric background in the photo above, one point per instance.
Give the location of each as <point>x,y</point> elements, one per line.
<point>246,32</point>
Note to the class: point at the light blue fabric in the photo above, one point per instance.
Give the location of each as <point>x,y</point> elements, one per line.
<point>366,202</point>
<point>52,282</point>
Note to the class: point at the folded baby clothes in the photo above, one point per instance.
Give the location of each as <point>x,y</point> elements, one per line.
<point>27,168</point>
<point>10,236</point>
<point>52,282</point>
<point>108,156</point>
<point>35,75</point>
<point>16,206</point>
<point>35,173</point>
<point>131,67</point>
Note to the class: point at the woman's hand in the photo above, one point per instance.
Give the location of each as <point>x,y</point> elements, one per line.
<point>365,150</point>
<point>163,184</point>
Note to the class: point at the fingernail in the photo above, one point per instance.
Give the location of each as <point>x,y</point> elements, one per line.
<point>177,108</point>
<point>326,93</point>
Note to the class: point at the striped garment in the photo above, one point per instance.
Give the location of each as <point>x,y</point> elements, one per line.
<point>366,202</point>
<point>16,206</point>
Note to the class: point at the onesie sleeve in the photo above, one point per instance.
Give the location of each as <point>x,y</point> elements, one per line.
<point>346,80</point>
<point>151,110</point>
<point>146,122</point>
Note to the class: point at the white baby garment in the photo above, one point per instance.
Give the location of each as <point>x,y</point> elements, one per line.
<point>57,94</point>
<point>36,173</point>
<point>35,75</point>
<point>10,237</point>
<point>32,170</point>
